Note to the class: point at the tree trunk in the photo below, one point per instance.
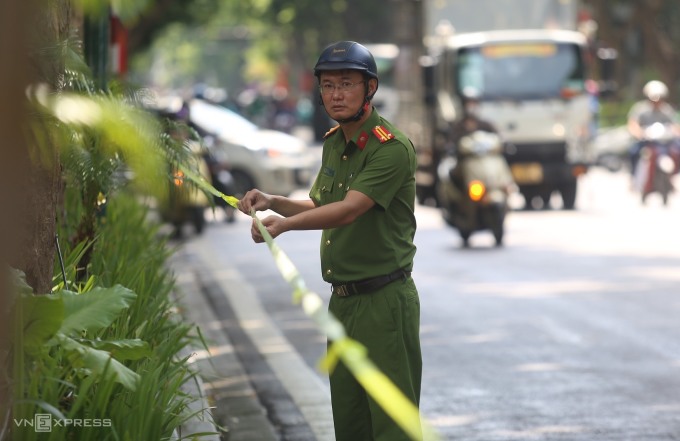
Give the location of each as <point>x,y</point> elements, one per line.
<point>39,186</point>
<point>32,169</point>
<point>15,167</point>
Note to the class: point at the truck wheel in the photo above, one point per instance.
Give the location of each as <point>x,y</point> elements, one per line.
<point>545,199</point>
<point>568,193</point>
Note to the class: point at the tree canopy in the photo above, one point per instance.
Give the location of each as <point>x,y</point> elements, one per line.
<point>233,42</point>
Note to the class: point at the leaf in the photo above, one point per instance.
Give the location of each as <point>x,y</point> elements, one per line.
<point>94,310</point>
<point>99,362</point>
<point>44,405</point>
<point>128,349</point>
<point>19,282</point>
<point>42,318</point>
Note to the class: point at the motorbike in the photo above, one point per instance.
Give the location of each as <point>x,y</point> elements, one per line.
<point>659,160</point>
<point>186,203</point>
<point>474,185</point>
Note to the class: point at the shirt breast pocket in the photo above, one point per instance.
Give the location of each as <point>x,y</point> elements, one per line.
<point>324,190</point>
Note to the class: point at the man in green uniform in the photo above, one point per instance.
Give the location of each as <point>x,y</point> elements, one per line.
<point>363,199</point>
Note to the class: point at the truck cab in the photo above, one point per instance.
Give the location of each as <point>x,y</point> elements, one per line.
<point>530,84</point>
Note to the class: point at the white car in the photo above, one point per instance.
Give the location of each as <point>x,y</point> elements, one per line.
<point>269,160</point>
<point>611,147</point>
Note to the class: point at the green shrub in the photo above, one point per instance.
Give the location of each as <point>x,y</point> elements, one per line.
<point>100,358</point>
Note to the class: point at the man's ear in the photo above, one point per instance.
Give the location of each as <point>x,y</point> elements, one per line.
<point>372,86</point>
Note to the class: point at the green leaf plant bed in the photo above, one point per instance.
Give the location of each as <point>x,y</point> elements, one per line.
<point>97,359</point>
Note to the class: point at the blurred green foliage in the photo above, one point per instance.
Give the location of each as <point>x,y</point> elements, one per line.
<point>233,43</point>
<point>245,42</point>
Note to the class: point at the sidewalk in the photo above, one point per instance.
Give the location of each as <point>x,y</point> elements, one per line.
<point>258,387</point>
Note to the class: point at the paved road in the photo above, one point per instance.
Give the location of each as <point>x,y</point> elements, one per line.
<point>568,332</point>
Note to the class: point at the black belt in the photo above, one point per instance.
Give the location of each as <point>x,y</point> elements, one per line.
<point>368,285</point>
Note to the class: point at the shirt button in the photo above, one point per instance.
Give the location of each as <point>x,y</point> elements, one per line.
<point>328,242</point>
<point>328,271</point>
<point>340,185</point>
<point>344,157</point>
<point>323,188</point>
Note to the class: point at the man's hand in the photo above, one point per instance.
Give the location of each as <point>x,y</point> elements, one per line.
<point>254,200</point>
<point>273,224</point>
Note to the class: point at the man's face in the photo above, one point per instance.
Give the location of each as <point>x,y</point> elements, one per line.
<point>341,104</point>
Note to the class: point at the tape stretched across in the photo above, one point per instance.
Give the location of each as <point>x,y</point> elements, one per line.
<point>205,185</point>
<point>353,354</point>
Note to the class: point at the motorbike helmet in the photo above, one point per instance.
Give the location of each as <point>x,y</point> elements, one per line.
<point>655,90</point>
<point>349,55</point>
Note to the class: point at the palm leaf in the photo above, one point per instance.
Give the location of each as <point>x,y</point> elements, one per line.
<point>94,310</point>
<point>127,349</point>
<point>42,318</point>
<point>99,362</point>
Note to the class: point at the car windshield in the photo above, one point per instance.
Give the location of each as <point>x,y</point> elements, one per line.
<point>217,119</point>
<point>520,70</point>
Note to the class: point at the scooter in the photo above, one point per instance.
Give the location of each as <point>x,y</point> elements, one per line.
<point>474,186</point>
<point>659,161</point>
<point>186,203</point>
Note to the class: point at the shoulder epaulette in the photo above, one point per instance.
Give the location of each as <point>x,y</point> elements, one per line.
<point>331,131</point>
<point>382,134</point>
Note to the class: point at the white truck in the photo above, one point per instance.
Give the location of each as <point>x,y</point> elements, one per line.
<point>529,79</point>
<point>386,100</point>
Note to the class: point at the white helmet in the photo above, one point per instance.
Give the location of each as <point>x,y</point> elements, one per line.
<point>655,90</point>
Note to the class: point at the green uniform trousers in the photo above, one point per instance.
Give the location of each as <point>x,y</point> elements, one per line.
<point>387,323</point>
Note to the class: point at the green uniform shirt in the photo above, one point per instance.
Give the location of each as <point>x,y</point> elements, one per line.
<point>381,240</point>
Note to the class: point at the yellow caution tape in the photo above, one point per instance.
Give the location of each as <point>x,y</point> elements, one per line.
<point>352,353</point>
<point>205,185</point>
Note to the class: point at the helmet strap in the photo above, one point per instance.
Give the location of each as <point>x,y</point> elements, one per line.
<point>363,109</point>
<point>357,116</point>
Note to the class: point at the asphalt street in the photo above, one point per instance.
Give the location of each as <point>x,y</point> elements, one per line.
<point>567,333</point>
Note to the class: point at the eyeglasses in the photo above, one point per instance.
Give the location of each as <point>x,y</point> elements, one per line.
<point>345,86</point>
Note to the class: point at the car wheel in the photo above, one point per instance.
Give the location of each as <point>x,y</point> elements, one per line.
<point>242,182</point>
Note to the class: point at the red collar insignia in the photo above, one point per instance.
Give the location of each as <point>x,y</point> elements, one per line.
<point>382,134</point>
<point>362,140</point>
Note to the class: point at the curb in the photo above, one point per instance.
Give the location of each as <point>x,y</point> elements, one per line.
<point>227,396</point>
<point>306,392</point>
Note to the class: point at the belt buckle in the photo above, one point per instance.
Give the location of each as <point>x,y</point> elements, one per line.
<point>341,291</point>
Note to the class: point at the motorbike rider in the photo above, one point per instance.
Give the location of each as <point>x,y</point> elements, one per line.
<point>468,124</point>
<point>653,109</point>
